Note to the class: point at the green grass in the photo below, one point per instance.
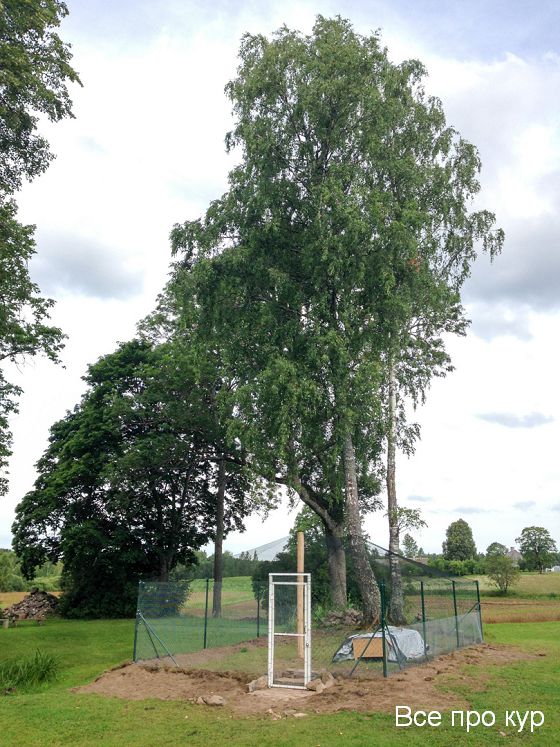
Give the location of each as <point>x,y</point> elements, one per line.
<point>53,716</point>
<point>236,590</point>
<point>529,586</point>
<point>186,634</point>
<point>25,673</point>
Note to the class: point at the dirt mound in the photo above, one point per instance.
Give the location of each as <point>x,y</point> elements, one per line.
<point>37,605</point>
<point>416,687</point>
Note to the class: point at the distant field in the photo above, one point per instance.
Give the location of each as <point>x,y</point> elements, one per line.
<point>536,598</point>
<point>530,585</point>
<point>7,598</point>
<point>500,609</point>
<point>236,590</point>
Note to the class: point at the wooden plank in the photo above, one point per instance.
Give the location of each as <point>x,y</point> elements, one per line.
<point>374,649</point>
<point>300,615</point>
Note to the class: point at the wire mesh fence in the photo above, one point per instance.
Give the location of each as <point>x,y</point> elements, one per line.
<point>176,624</point>
<point>423,614</point>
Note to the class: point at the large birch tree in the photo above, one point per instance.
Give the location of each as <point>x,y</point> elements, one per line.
<point>351,193</point>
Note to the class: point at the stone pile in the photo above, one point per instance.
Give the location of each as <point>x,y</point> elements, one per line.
<point>348,618</point>
<point>37,605</point>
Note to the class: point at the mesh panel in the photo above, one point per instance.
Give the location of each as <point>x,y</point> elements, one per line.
<point>175,625</point>
<point>432,615</point>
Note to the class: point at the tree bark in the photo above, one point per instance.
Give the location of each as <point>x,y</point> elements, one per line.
<point>336,558</point>
<point>163,569</point>
<point>334,532</point>
<point>396,601</point>
<point>218,542</point>
<point>367,584</point>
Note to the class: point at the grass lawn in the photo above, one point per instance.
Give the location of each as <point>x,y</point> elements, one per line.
<point>535,598</point>
<point>52,716</point>
<point>530,585</point>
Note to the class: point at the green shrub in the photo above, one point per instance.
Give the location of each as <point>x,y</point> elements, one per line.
<point>22,674</point>
<point>44,583</point>
<point>502,572</point>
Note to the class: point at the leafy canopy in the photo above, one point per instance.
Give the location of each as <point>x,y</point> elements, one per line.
<point>459,542</point>
<point>537,547</point>
<point>349,214</point>
<point>126,488</point>
<point>501,570</point>
<point>34,75</point>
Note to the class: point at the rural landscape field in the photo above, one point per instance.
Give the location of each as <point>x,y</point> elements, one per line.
<point>279,410</point>
<point>526,679</point>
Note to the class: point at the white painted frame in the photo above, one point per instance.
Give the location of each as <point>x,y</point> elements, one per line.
<point>301,579</point>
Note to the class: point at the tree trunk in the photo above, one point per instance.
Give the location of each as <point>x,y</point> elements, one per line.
<point>396,601</point>
<point>218,542</point>
<point>333,523</point>
<point>336,558</point>
<point>163,569</point>
<point>367,584</point>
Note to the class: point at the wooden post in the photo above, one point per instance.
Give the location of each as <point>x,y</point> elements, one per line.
<point>300,615</point>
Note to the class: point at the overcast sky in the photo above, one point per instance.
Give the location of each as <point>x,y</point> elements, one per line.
<point>146,150</point>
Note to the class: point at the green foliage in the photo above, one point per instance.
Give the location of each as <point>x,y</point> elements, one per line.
<point>28,672</point>
<point>243,565</point>
<point>125,488</point>
<point>458,567</point>
<point>315,563</point>
<point>162,599</point>
<point>501,570</point>
<point>496,548</point>
<point>410,547</point>
<point>537,547</point>
<point>23,316</point>
<point>343,239</point>
<point>408,518</point>
<point>459,542</point>
<point>34,74</point>
<point>11,578</point>
<point>47,578</point>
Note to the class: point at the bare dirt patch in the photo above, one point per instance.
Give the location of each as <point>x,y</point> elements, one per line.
<point>417,687</point>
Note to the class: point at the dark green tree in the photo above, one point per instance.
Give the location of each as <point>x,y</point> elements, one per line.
<point>34,75</point>
<point>459,542</point>
<point>126,488</point>
<point>537,547</point>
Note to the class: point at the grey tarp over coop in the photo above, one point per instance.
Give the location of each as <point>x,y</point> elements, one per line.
<point>403,644</point>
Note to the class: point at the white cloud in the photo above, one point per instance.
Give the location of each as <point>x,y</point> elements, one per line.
<point>146,150</point>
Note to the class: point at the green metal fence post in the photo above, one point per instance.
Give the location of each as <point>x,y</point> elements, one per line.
<point>423,618</point>
<point>479,608</point>
<point>136,622</point>
<point>456,618</point>
<point>258,609</point>
<point>382,594</point>
<point>206,612</point>
<point>135,636</point>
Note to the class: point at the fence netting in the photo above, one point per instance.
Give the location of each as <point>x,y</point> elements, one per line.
<point>423,614</point>
<point>177,624</point>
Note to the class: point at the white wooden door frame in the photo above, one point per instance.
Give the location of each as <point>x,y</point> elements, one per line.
<point>299,579</point>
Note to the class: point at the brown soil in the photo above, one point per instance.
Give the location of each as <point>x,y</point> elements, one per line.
<point>417,687</point>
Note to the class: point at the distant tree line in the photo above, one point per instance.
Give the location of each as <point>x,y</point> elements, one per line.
<point>47,576</point>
